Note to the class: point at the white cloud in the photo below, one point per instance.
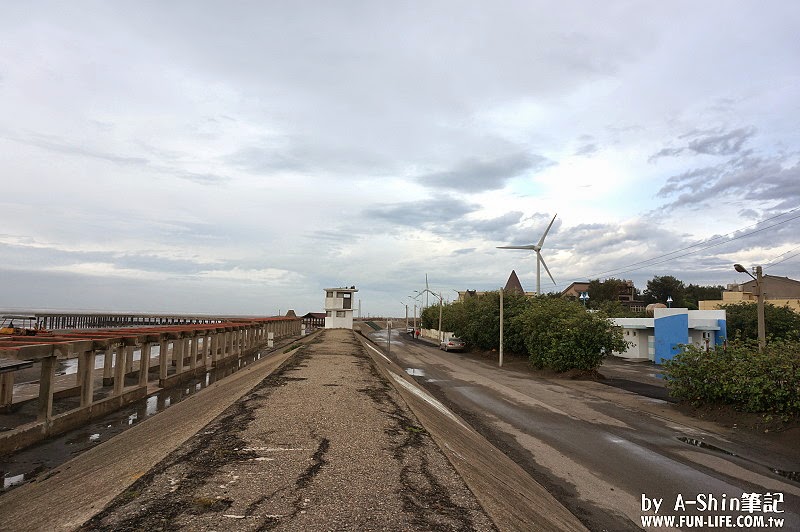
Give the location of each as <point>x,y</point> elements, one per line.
<point>261,152</point>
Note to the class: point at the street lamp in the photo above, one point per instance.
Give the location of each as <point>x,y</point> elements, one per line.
<point>669,301</point>
<point>441,335</point>
<point>415,311</point>
<point>762,334</point>
<point>584,297</point>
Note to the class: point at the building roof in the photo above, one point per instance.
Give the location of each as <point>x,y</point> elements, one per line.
<point>513,285</point>
<point>775,287</point>
<point>574,288</point>
<point>342,289</point>
<point>319,315</point>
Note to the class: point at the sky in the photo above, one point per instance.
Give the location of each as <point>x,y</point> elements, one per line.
<point>240,157</point>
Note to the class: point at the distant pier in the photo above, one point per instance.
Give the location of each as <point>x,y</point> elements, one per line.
<point>57,320</point>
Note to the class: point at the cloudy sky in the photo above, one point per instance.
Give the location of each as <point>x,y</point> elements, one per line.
<point>239,157</point>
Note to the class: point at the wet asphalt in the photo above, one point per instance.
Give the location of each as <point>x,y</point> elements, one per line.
<point>599,448</point>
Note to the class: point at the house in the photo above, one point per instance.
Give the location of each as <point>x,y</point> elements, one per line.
<point>659,338</point>
<point>339,307</point>
<point>575,289</point>
<point>779,291</point>
<point>626,295</point>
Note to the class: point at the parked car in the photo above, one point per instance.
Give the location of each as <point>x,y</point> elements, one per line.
<point>453,344</point>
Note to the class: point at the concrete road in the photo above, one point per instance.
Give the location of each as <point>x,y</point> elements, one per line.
<point>599,450</point>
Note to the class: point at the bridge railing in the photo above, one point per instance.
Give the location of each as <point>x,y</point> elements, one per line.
<point>182,352</point>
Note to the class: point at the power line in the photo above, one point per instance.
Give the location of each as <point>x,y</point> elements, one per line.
<point>784,260</point>
<point>661,259</point>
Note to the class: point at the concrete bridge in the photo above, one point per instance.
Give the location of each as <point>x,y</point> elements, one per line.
<point>114,367</point>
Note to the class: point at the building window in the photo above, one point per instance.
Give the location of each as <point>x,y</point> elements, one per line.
<point>328,313</point>
<point>329,295</point>
<point>340,314</point>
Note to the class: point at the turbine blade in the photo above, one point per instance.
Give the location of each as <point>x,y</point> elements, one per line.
<point>541,241</point>
<point>530,246</point>
<point>541,259</point>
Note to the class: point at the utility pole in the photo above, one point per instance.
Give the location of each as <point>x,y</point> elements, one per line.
<point>762,333</point>
<point>758,278</point>
<point>501,328</point>
<point>441,334</point>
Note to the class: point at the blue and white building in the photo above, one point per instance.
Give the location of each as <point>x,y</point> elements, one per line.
<point>659,338</point>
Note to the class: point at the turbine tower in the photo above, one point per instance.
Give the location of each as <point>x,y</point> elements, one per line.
<point>539,260</point>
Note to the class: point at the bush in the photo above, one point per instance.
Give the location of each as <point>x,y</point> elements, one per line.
<point>740,376</point>
<point>561,335</point>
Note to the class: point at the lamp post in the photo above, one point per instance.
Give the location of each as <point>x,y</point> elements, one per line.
<point>584,297</point>
<point>415,311</point>
<point>669,301</point>
<point>405,305</point>
<point>441,335</point>
<point>762,334</point>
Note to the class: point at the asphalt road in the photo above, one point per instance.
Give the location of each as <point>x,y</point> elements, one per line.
<point>598,449</point>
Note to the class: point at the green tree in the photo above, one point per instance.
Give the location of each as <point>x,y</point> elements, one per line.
<point>695,294</point>
<point>780,323</point>
<point>660,288</point>
<point>608,290</point>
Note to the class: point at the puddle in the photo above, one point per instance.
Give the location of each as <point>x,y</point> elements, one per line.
<point>704,445</point>
<point>414,372</point>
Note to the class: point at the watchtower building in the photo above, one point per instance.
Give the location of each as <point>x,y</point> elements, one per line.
<point>339,307</point>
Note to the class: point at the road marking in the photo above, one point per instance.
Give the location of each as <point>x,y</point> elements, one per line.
<point>426,397</point>
<point>381,354</point>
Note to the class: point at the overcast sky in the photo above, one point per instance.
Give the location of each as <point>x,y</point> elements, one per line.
<point>240,157</point>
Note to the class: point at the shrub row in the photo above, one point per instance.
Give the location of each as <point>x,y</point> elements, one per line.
<point>739,375</point>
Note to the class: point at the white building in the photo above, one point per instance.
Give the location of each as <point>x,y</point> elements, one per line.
<point>339,307</point>
<point>660,337</point>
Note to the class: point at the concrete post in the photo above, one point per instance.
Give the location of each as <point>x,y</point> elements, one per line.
<point>119,369</point>
<point>193,352</point>
<point>108,360</point>
<point>178,353</point>
<point>144,363</point>
<point>86,377</point>
<point>163,353</point>
<point>45,407</point>
<point>214,348</point>
<point>6,388</point>
<point>129,358</point>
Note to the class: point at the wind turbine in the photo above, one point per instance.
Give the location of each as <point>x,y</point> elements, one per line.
<point>539,260</point>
